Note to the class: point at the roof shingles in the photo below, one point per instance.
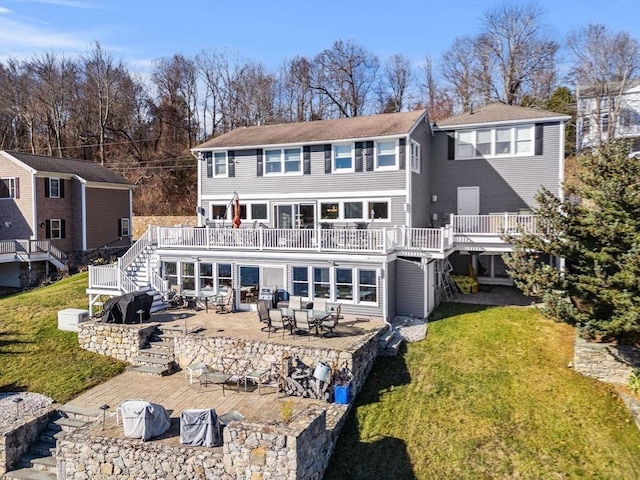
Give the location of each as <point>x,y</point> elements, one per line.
<point>498,112</point>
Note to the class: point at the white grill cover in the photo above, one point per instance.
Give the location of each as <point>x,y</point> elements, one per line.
<point>144,420</point>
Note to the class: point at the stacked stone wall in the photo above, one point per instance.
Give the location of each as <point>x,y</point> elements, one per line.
<point>120,341</point>
<point>16,439</point>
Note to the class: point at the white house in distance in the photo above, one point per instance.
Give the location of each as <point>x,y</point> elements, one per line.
<point>368,212</point>
<point>610,112</point>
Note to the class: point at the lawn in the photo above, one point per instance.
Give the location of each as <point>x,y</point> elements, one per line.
<point>488,395</point>
<point>37,357</point>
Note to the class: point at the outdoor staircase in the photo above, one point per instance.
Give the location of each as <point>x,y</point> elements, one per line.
<point>158,357</point>
<point>138,272</point>
<point>39,463</point>
<point>390,342</point>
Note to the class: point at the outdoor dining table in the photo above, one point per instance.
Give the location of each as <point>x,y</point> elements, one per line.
<point>315,316</point>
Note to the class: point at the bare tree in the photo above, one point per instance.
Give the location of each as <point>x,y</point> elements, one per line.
<point>604,63</point>
<point>295,96</point>
<point>394,85</point>
<point>438,102</point>
<point>344,75</point>
<point>213,67</point>
<point>517,51</point>
<point>460,67</point>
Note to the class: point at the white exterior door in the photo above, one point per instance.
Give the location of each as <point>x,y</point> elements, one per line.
<point>468,200</point>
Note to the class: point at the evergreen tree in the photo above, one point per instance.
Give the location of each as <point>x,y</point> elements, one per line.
<point>599,236</point>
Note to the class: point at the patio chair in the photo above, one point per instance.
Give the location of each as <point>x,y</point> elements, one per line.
<point>225,304</point>
<point>262,309</point>
<point>320,303</point>
<point>276,321</point>
<point>211,376</point>
<point>295,302</point>
<point>256,375</point>
<point>327,326</point>
<point>303,323</point>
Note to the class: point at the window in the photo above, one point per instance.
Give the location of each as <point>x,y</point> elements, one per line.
<point>125,230</point>
<point>489,142</point>
<point>344,284</point>
<point>321,282</point>
<point>379,210</point>
<point>8,188</point>
<point>416,156</point>
<point>224,276</point>
<point>220,164</point>
<point>342,158</point>
<point>56,229</point>
<point>206,276</point>
<point>188,275</point>
<point>288,160</point>
<point>329,211</point>
<point>301,281</point>
<point>353,210</point>
<point>259,211</point>
<point>218,211</point>
<point>54,187</point>
<point>367,286</point>
<point>170,270</point>
<point>385,155</point>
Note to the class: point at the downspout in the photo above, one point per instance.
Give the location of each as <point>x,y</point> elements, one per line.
<point>407,163</point>
<point>34,207</point>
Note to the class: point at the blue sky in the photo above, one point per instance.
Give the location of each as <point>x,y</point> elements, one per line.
<point>270,31</point>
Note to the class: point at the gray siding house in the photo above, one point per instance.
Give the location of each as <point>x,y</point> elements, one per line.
<point>367,212</point>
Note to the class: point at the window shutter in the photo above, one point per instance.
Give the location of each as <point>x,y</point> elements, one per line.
<point>327,158</point>
<point>209,157</point>
<point>16,186</point>
<point>369,151</point>
<point>539,129</point>
<point>232,163</point>
<point>358,159</point>
<point>62,229</point>
<point>119,227</point>
<point>306,160</point>
<point>451,145</point>
<point>47,231</point>
<point>260,162</point>
<point>403,153</point>
<point>46,188</point>
<point>61,188</point>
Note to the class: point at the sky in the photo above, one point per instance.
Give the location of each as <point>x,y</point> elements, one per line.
<point>271,31</point>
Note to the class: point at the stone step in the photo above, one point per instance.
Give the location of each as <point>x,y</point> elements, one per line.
<point>386,337</point>
<point>45,464</point>
<point>29,474</point>
<point>154,371</point>
<point>153,361</point>
<point>80,413</point>
<point>391,348</point>
<point>68,424</point>
<point>51,435</point>
<point>43,449</point>
<point>156,352</point>
<point>166,346</point>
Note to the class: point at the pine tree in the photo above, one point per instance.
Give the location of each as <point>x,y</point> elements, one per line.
<point>599,236</point>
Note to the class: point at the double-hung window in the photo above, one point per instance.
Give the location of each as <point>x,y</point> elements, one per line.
<point>8,188</point>
<point>220,164</point>
<point>386,155</point>
<point>287,160</point>
<point>342,158</point>
<point>367,286</point>
<point>54,187</point>
<point>124,227</point>
<point>301,281</point>
<point>416,154</point>
<point>344,284</point>
<point>495,142</point>
<point>56,229</point>
<point>321,282</point>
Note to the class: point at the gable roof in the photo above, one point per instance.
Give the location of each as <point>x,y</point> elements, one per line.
<point>500,113</point>
<point>318,131</point>
<point>85,170</point>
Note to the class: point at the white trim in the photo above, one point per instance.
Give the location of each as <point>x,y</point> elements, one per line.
<point>386,168</point>
<point>201,218</point>
<point>351,169</point>
<point>301,144</point>
<point>305,195</point>
<point>493,133</point>
<point>466,126</point>
<point>561,163</point>
<point>34,206</point>
<point>415,125</point>
<point>83,213</point>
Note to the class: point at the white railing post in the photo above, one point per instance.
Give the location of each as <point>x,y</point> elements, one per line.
<point>442,233</point>
<point>319,238</point>
<point>505,225</point>
<point>261,239</point>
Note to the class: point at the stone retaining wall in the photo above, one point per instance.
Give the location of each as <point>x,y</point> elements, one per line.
<point>120,341</point>
<point>296,450</point>
<point>606,362</point>
<point>16,439</point>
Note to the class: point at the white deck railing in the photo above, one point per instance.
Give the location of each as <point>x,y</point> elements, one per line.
<point>495,224</point>
<point>31,247</point>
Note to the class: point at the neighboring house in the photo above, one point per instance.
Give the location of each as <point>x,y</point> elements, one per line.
<point>608,112</point>
<point>364,211</point>
<point>51,208</point>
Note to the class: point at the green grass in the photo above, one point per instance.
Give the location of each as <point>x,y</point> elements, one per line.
<point>37,357</point>
<point>488,395</point>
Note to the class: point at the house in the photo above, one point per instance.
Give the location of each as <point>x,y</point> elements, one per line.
<point>368,212</point>
<point>612,111</point>
<point>52,208</point>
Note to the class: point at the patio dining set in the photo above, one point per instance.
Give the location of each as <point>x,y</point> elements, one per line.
<point>300,317</point>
